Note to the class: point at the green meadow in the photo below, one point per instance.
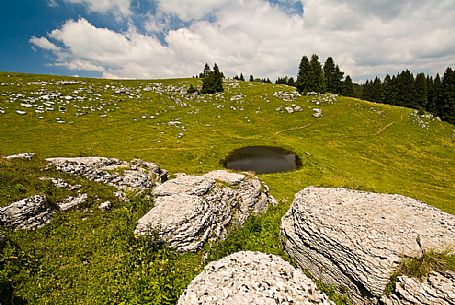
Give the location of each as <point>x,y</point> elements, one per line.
<point>89,257</point>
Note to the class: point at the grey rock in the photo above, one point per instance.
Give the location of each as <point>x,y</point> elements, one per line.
<point>246,278</point>
<point>29,213</point>
<point>190,210</point>
<point>72,202</point>
<point>134,175</point>
<point>26,156</point>
<point>437,288</point>
<point>105,206</point>
<point>356,239</point>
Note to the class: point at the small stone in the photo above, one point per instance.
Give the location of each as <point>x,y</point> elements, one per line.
<point>105,206</point>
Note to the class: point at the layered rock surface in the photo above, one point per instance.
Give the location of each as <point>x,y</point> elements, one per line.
<point>189,210</point>
<point>29,213</point>
<point>135,175</point>
<point>246,277</point>
<point>356,239</point>
<point>438,288</point>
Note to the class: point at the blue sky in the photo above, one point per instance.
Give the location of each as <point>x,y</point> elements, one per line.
<point>266,38</point>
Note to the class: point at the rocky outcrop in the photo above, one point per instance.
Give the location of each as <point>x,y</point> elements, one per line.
<point>134,175</point>
<point>356,239</point>
<point>246,277</point>
<point>189,210</point>
<point>29,214</point>
<point>437,288</point>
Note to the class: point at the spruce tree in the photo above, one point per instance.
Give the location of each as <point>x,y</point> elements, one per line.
<point>241,77</point>
<point>315,76</point>
<point>431,105</point>
<point>301,82</point>
<point>329,75</point>
<point>337,80</point>
<point>448,96</point>
<point>421,90</point>
<point>348,87</point>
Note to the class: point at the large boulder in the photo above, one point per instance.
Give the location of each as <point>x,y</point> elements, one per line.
<point>29,213</point>
<point>134,175</point>
<point>246,277</point>
<point>189,210</point>
<point>356,239</point>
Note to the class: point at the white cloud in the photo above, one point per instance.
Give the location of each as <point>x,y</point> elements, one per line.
<point>255,37</point>
<point>191,9</point>
<point>120,8</point>
<point>44,43</point>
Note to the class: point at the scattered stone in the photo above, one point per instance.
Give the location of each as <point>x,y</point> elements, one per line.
<point>190,210</point>
<point>356,239</point>
<point>28,214</point>
<point>289,109</point>
<point>72,202</point>
<point>25,156</point>
<point>105,206</point>
<point>251,278</point>
<point>21,112</point>
<point>287,96</point>
<point>317,112</point>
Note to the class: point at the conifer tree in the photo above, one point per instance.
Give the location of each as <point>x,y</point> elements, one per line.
<point>348,87</point>
<point>241,77</point>
<point>447,103</point>
<point>337,80</point>
<point>315,76</point>
<point>301,82</point>
<point>421,90</point>
<point>329,75</point>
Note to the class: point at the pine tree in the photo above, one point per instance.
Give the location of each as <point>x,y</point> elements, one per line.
<point>387,90</point>
<point>421,90</point>
<point>218,79</point>
<point>291,82</point>
<point>241,77</point>
<point>329,75</point>
<point>337,80</point>
<point>348,87</point>
<point>301,82</point>
<point>448,96</point>
<point>431,100</point>
<point>437,95</point>
<point>315,76</point>
<point>251,78</point>
<point>213,80</point>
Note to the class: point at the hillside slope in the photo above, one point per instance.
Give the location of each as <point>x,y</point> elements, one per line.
<point>93,257</point>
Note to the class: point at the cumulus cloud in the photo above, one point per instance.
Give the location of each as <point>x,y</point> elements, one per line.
<point>120,8</point>
<point>44,43</point>
<point>261,38</point>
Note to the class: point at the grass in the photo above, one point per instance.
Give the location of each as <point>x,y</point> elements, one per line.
<point>90,257</point>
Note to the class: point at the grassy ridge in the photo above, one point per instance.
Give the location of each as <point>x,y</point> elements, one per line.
<point>356,144</point>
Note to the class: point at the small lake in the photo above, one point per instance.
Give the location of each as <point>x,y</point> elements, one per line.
<point>262,160</point>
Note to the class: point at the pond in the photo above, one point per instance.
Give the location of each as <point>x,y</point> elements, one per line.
<point>262,160</point>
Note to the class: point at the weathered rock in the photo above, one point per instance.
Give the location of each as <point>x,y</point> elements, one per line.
<point>438,288</point>
<point>72,202</point>
<point>251,278</point>
<point>356,239</point>
<point>105,206</point>
<point>29,213</point>
<point>135,175</point>
<point>189,210</point>
<point>26,156</point>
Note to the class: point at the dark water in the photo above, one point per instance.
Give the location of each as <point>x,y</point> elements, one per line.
<point>262,160</point>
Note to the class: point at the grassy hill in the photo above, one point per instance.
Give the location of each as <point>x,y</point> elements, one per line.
<point>89,257</point>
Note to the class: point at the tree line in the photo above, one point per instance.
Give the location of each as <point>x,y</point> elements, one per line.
<point>313,77</point>
<point>435,95</point>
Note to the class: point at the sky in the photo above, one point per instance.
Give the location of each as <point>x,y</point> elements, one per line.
<point>153,39</point>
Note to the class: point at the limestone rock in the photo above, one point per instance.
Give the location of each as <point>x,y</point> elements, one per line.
<point>26,156</point>
<point>356,239</point>
<point>105,206</point>
<point>438,288</point>
<point>72,202</point>
<point>135,175</point>
<point>246,278</point>
<point>190,210</point>
<point>29,213</point>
